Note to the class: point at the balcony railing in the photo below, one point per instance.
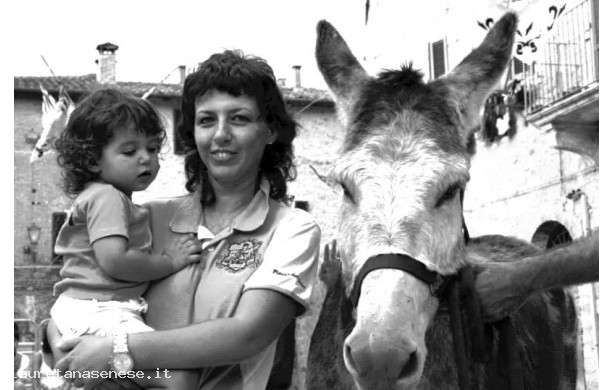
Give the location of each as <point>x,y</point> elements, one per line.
<point>568,62</point>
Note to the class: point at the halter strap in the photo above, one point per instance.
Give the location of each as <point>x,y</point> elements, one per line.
<point>395,261</point>
<point>437,282</point>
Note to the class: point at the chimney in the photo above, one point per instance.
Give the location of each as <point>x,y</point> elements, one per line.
<point>298,79</point>
<point>106,63</point>
<point>182,69</point>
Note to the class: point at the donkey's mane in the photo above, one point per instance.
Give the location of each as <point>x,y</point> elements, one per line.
<point>406,76</point>
<point>382,98</point>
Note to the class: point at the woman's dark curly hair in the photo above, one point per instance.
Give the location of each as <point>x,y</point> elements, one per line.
<point>92,125</point>
<point>234,73</point>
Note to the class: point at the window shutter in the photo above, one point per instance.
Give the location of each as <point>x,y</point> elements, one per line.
<point>519,66</point>
<point>438,58</point>
<point>595,4</point>
<point>595,7</point>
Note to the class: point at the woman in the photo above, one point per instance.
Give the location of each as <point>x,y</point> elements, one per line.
<point>259,257</point>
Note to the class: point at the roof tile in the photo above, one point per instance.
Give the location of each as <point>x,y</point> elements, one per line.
<point>88,83</point>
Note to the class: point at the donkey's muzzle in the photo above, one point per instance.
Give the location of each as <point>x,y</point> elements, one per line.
<point>374,360</point>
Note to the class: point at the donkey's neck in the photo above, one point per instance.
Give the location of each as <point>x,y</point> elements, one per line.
<point>440,367</point>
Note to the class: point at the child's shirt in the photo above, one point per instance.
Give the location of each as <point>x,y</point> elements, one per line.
<point>99,211</point>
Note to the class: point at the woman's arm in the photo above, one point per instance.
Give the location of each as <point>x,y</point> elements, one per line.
<point>575,263</point>
<point>504,287</point>
<point>260,318</point>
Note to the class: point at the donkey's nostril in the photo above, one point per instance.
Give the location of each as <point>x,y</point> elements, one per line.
<point>411,366</point>
<point>361,365</point>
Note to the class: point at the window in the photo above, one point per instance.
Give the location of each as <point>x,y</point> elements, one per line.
<point>550,234</point>
<point>437,58</point>
<point>178,146</point>
<point>519,66</point>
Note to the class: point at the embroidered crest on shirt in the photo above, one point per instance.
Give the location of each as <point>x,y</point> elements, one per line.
<point>240,255</point>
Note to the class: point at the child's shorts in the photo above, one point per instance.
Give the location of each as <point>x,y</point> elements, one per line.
<point>77,317</point>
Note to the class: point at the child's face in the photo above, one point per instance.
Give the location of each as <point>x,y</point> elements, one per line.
<point>129,161</point>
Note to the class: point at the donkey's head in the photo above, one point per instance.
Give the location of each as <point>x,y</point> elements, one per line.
<point>403,165</point>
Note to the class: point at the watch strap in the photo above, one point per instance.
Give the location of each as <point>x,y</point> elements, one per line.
<point>120,343</point>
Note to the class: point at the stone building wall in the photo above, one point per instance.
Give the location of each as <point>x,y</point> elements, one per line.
<point>319,138</point>
<point>33,291</point>
<point>517,186</point>
<point>36,193</point>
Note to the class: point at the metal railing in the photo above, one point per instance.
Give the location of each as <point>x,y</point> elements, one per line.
<point>568,63</point>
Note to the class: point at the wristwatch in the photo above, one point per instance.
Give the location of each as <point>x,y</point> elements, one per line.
<point>121,360</point>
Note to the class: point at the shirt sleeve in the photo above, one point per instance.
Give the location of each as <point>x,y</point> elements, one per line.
<point>291,260</point>
<point>106,211</point>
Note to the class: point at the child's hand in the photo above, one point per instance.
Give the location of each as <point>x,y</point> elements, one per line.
<point>331,267</point>
<point>183,252</point>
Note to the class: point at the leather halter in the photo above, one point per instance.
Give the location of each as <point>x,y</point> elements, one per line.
<point>436,281</point>
<point>401,262</point>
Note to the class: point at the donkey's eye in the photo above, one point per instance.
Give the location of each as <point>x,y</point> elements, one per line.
<point>448,195</point>
<point>347,193</point>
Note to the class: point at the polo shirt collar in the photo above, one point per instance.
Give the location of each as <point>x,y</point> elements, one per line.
<point>188,215</point>
<point>255,213</point>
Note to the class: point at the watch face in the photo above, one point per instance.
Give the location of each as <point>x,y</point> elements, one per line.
<point>122,362</point>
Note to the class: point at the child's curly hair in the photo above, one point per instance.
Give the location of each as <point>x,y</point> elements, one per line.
<point>91,126</point>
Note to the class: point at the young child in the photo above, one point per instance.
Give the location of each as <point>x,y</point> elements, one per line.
<point>108,151</point>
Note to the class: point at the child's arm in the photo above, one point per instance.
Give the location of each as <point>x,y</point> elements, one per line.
<point>119,262</point>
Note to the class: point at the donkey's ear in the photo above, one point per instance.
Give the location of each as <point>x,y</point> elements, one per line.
<point>471,82</point>
<point>342,72</point>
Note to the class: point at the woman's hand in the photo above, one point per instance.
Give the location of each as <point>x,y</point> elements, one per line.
<point>87,355</point>
<point>502,288</point>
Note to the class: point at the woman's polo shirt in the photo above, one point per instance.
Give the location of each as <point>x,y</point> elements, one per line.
<point>270,246</point>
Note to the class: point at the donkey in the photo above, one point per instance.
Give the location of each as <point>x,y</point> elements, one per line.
<point>403,167</point>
